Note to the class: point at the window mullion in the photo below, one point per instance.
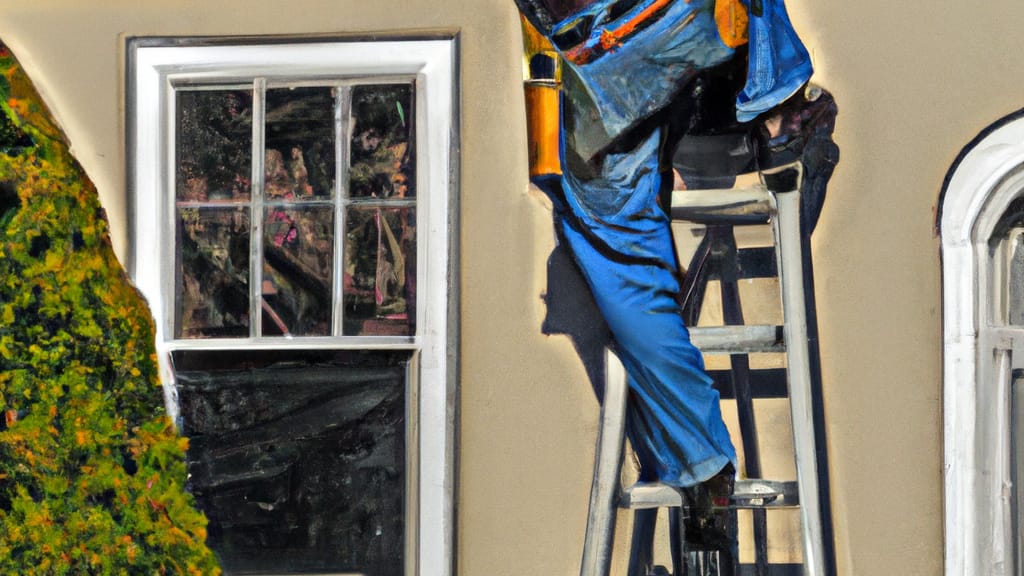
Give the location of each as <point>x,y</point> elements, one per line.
<point>342,125</point>
<point>259,90</point>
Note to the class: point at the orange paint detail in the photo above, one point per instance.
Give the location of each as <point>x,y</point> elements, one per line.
<point>630,25</point>
<point>609,41</point>
<point>731,18</point>
<point>585,52</point>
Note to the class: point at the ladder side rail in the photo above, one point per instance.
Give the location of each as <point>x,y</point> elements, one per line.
<point>604,491</point>
<point>818,403</point>
<point>786,228</point>
<point>724,242</point>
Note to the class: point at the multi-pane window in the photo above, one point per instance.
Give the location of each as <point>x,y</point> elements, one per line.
<point>296,210</point>
<point>291,216</point>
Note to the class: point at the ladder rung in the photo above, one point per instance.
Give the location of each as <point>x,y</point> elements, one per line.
<point>749,493</point>
<point>732,205</point>
<point>738,339</point>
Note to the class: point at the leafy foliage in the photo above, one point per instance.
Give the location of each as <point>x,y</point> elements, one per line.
<point>91,471</point>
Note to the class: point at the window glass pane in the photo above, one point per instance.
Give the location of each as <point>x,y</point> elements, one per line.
<point>1015,295</point>
<point>214,142</point>
<point>381,148</point>
<point>212,273</point>
<point>297,270</point>
<point>300,157</point>
<point>298,458</point>
<point>380,271</point>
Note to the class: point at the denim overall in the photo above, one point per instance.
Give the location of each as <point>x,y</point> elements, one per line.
<point>623,62</point>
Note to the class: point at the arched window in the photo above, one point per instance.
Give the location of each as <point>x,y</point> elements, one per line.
<point>981,224</point>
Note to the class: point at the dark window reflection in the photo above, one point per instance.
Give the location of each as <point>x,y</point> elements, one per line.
<point>214,145</point>
<point>298,458</point>
<point>381,150</point>
<point>212,273</point>
<point>299,159</point>
<point>380,272</point>
<point>298,254</point>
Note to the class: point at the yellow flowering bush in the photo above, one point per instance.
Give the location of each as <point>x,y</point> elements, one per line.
<point>91,470</point>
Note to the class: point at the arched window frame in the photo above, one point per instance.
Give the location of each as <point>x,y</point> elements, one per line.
<point>977,350</point>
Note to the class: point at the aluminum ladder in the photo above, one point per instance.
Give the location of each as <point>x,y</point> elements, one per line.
<point>775,200</point>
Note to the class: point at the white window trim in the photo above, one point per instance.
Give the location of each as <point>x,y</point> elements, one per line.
<point>154,64</point>
<point>978,526</point>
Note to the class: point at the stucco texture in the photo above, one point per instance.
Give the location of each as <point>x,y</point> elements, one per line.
<point>914,84</point>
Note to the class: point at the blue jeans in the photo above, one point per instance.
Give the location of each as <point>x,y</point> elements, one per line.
<point>623,246</point>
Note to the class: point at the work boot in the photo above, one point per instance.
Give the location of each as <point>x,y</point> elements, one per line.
<point>705,516</point>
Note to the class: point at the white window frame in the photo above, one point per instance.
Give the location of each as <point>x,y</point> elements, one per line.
<point>977,354</point>
<point>156,65</point>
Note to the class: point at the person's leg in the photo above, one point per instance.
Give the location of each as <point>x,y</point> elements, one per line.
<point>622,242</point>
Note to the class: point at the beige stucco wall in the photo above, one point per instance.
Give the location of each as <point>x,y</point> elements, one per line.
<point>914,81</point>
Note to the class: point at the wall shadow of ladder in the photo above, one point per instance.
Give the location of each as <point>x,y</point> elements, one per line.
<point>775,200</point>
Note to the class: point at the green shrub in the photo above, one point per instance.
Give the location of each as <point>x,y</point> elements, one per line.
<point>91,470</point>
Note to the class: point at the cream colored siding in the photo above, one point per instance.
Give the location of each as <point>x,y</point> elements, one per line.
<point>914,81</point>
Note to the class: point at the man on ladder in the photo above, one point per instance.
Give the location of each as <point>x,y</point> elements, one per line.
<point>627,74</point>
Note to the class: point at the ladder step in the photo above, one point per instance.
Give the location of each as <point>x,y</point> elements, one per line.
<point>752,205</point>
<point>738,339</point>
<point>749,493</point>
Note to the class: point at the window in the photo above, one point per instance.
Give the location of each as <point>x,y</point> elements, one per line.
<point>982,231</point>
<point>292,235</point>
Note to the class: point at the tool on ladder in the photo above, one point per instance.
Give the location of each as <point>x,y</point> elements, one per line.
<point>776,200</point>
